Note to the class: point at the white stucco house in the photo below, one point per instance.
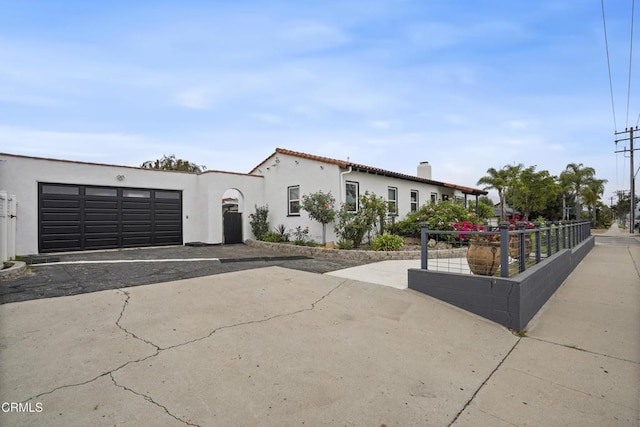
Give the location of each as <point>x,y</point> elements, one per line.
<point>63,205</point>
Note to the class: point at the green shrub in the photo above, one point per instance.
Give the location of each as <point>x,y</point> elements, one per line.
<point>259,222</point>
<point>273,237</point>
<point>301,236</point>
<point>439,215</point>
<point>345,244</point>
<point>355,226</point>
<point>388,242</point>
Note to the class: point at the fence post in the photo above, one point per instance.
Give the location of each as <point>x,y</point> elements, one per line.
<point>521,248</point>
<point>504,249</point>
<point>424,246</point>
<point>548,234</point>
<point>557,231</point>
<point>564,234</point>
<point>538,255</point>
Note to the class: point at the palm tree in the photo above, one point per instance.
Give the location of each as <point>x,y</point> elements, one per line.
<point>564,184</point>
<point>578,176</point>
<point>496,180</point>
<point>591,195</point>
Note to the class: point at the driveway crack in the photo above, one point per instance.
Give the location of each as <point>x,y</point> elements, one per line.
<point>484,383</point>
<point>159,350</point>
<point>150,400</point>
<point>124,307</point>
<point>251,322</point>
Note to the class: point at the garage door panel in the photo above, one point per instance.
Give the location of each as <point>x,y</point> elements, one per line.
<point>61,243</point>
<point>61,229</point>
<point>101,204</point>
<point>136,204</point>
<point>101,228</point>
<point>61,204</point>
<point>60,216</point>
<point>136,228</point>
<point>102,242</point>
<point>76,217</point>
<point>133,241</point>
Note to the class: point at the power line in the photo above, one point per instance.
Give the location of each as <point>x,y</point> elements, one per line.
<point>633,3</point>
<point>606,43</point>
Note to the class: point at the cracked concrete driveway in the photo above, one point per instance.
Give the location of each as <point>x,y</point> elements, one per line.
<point>269,346</point>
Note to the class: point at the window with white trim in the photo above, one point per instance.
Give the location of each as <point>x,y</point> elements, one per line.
<point>414,200</point>
<point>392,200</point>
<point>434,197</point>
<point>351,195</point>
<point>293,200</point>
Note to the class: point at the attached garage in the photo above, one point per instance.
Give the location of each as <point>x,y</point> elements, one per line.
<point>85,217</point>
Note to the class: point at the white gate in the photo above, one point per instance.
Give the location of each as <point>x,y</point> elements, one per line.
<point>7,226</point>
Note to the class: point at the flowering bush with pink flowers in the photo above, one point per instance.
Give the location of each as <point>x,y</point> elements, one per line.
<point>440,216</point>
<point>469,226</point>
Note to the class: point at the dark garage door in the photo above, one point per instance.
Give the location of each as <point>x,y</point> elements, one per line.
<point>83,217</point>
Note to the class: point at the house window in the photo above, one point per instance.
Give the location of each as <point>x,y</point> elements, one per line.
<point>434,197</point>
<point>351,191</point>
<point>293,199</point>
<point>445,197</point>
<point>414,200</point>
<point>392,200</point>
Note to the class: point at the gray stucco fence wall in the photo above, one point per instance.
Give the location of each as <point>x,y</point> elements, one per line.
<point>511,302</point>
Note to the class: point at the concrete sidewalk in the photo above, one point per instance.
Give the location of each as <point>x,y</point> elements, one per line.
<point>580,361</point>
<point>275,346</point>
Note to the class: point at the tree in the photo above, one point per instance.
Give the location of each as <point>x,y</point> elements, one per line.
<point>320,206</point>
<point>531,190</point>
<point>565,188</point>
<point>591,195</point>
<point>170,163</point>
<point>578,177</point>
<point>496,179</point>
<point>353,226</point>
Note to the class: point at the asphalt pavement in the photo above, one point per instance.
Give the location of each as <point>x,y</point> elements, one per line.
<point>73,273</point>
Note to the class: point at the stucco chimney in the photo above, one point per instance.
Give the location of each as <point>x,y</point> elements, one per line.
<point>424,170</point>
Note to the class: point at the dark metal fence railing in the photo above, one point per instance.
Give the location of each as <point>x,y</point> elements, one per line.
<point>501,252</point>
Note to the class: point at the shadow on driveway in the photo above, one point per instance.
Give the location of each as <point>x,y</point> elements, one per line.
<point>82,272</point>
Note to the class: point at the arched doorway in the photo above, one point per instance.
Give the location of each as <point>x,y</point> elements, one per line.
<point>232,205</point>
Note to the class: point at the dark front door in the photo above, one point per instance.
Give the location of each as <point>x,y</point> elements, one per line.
<point>232,227</point>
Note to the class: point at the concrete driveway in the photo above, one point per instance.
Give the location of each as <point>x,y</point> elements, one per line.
<point>268,346</point>
<point>277,346</point>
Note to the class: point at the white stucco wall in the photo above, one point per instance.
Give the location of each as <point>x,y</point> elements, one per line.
<point>311,175</point>
<point>201,194</point>
<point>379,185</point>
<point>211,187</point>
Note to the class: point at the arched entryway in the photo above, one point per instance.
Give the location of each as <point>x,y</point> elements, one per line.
<point>232,206</point>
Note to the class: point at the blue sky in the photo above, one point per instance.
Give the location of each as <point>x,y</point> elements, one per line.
<point>464,85</point>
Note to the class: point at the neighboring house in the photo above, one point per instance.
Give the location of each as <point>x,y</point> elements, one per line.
<point>65,205</point>
<point>509,213</point>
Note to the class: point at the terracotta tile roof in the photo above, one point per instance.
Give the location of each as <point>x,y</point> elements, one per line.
<point>370,169</point>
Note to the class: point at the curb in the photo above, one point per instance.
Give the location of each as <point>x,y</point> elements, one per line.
<point>17,269</point>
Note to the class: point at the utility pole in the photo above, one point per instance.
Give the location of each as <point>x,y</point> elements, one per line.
<point>630,131</point>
